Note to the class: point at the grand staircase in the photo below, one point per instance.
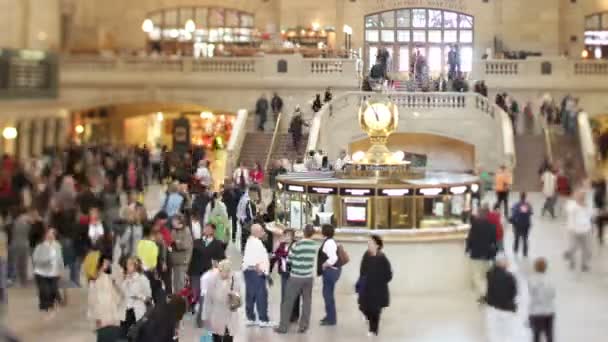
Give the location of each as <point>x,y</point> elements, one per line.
<point>255,148</point>
<point>567,153</point>
<point>531,151</point>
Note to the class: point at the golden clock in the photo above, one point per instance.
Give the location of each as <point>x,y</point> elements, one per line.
<point>378,119</point>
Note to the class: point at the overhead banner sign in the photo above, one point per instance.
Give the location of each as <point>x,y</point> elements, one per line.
<point>455,5</point>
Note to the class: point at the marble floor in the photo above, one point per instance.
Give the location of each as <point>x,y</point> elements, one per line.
<point>437,317</point>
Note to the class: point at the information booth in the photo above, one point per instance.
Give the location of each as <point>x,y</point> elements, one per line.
<point>438,200</point>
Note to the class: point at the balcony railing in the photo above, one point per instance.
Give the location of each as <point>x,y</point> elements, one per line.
<point>266,66</point>
<point>542,67</point>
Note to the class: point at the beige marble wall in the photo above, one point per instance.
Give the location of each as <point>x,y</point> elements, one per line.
<point>11,24</point>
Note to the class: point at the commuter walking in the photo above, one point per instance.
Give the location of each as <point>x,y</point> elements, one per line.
<point>549,181</point>
<point>256,266</point>
<point>299,282</point>
<point>329,269</point>
<point>500,299</point>
<point>579,224</point>
<point>106,305</point>
<point>181,251</point>
<point>48,267</point>
<point>20,245</point>
<point>502,187</point>
<point>137,293</point>
<point>481,248</point>
<point>599,204</point>
<point>261,110</point>
<point>222,300</point>
<point>296,128</point>
<point>280,258</point>
<point>206,253</point>
<point>542,302</point>
<point>374,275</point>
<point>521,220</point>
<point>276,104</point>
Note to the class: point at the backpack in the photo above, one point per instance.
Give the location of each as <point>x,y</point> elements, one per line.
<point>89,265</point>
<point>343,257</point>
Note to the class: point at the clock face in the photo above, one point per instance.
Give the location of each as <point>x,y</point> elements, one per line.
<point>377,116</point>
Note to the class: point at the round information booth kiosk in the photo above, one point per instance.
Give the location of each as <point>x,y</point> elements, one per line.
<point>421,215</point>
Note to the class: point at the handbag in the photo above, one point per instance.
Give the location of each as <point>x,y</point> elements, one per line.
<point>234,298</point>
<point>135,329</point>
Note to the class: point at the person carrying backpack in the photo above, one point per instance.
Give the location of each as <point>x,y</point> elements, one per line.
<point>521,220</point>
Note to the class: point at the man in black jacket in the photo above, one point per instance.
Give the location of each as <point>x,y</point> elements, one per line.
<point>500,298</point>
<point>231,198</point>
<point>205,252</point>
<point>481,248</point>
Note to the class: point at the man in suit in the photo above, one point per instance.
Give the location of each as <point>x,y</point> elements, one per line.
<point>481,247</point>
<point>231,197</point>
<point>206,252</point>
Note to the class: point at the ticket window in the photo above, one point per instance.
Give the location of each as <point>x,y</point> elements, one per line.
<point>295,211</point>
<point>356,212</point>
<point>320,209</point>
<point>394,213</point>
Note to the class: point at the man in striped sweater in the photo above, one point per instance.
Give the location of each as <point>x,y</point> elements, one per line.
<point>302,264</point>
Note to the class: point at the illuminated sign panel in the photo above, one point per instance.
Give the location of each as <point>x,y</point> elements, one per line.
<point>357,192</point>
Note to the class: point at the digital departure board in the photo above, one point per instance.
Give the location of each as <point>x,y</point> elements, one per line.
<point>28,74</point>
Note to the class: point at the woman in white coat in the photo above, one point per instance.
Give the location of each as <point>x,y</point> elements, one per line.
<point>137,292</point>
<point>218,316</point>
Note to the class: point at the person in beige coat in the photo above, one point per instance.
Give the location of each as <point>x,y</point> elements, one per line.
<point>106,301</point>
<point>182,251</point>
<point>218,318</point>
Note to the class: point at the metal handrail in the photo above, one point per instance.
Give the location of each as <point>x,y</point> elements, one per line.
<point>275,135</point>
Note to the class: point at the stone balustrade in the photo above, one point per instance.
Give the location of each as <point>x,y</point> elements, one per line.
<point>553,73</point>
<point>312,66</point>
<point>501,68</point>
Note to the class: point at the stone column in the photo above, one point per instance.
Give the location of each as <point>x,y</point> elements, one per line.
<point>61,130</point>
<point>23,138</point>
<point>50,134</point>
<point>37,136</point>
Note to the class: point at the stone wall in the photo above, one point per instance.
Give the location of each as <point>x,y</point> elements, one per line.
<point>540,25</point>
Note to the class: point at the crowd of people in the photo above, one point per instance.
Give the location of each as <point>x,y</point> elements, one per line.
<point>144,274</point>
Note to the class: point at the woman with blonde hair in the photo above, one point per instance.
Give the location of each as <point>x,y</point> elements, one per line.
<point>106,300</point>
<point>137,292</point>
<point>222,301</point>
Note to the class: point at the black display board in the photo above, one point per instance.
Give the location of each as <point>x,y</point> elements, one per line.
<point>28,74</point>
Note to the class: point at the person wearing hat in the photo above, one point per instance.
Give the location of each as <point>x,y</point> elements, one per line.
<point>500,300</point>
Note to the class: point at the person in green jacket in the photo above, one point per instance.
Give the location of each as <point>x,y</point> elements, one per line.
<point>217,214</point>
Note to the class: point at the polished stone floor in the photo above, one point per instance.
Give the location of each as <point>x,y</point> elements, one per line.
<point>436,317</point>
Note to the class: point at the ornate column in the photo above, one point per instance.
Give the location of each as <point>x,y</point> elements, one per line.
<point>61,131</point>
<point>23,138</point>
<point>37,136</point>
<point>50,133</point>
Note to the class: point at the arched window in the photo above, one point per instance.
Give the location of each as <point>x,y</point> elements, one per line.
<point>430,31</point>
<point>202,26</point>
<point>596,35</point>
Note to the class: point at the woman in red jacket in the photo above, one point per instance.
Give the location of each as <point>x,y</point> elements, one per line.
<point>494,218</point>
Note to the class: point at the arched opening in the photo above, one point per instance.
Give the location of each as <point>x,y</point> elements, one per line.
<point>154,125</point>
<point>441,153</point>
<point>429,32</point>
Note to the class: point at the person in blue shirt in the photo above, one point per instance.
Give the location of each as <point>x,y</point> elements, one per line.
<point>521,219</point>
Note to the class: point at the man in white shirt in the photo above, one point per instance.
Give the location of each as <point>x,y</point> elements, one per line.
<point>256,265</point>
<point>549,181</point>
<point>580,226</point>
